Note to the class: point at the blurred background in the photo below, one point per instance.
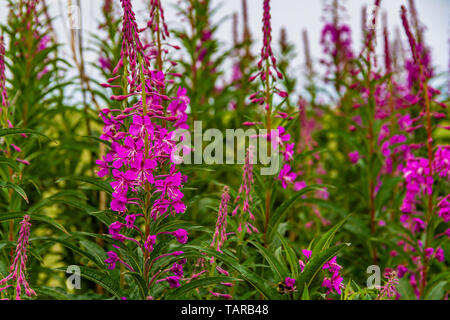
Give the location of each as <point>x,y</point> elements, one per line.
<point>294,15</point>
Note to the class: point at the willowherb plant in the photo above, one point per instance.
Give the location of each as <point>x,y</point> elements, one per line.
<point>144,171</point>
<point>2,73</point>
<point>359,158</point>
<point>18,269</point>
<point>421,175</point>
<point>332,280</point>
<point>5,111</point>
<point>218,241</point>
<point>244,198</point>
<point>389,290</point>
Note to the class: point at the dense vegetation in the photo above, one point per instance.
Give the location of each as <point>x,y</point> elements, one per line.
<point>91,183</point>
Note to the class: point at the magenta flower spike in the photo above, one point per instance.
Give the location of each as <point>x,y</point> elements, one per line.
<point>244,198</point>
<point>220,233</point>
<point>2,74</point>
<point>389,290</point>
<point>145,176</point>
<point>18,268</point>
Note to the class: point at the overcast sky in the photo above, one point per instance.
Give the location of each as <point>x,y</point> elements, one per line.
<point>295,15</point>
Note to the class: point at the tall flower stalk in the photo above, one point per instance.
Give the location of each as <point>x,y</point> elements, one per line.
<point>370,40</point>
<point>244,199</point>
<point>142,163</point>
<point>268,74</point>
<point>218,241</point>
<point>18,269</point>
<point>12,151</point>
<point>419,172</point>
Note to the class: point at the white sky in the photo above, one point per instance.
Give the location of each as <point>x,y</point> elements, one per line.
<point>295,15</point>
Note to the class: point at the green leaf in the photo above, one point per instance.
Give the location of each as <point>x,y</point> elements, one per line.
<point>283,209</point>
<point>102,216</point>
<point>291,256</point>
<point>325,241</point>
<point>276,265</point>
<point>315,264</point>
<point>15,187</point>
<point>305,294</point>
<point>437,292</point>
<point>102,185</point>
<point>13,244</point>
<point>100,263</point>
<point>197,283</point>
<point>37,217</point>
<point>435,281</point>
<point>97,139</point>
<point>10,162</point>
<point>51,292</point>
<point>406,290</point>
<point>15,131</point>
<point>97,251</point>
<point>347,290</point>
<point>102,279</point>
<point>386,191</point>
<point>140,282</point>
<point>71,202</point>
<point>255,280</point>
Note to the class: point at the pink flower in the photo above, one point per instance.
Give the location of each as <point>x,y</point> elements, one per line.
<point>119,203</point>
<point>288,154</point>
<point>113,258</point>
<point>286,176</point>
<point>401,269</point>
<point>429,252</point>
<point>333,283</point>
<point>290,284</point>
<point>173,281</point>
<point>181,235</point>
<point>299,185</point>
<point>353,156</point>
<point>141,126</point>
<point>307,253</point>
<point>18,267</point>
<point>149,243</point>
<point>282,135</point>
<point>439,255</point>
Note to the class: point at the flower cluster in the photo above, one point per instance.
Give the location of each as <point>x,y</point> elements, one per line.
<point>267,64</point>
<point>336,40</point>
<point>2,74</point>
<point>389,290</point>
<point>4,117</point>
<point>306,143</point>
<point>420,174</point>
<point>219,238</point>
<point>418,182</point>
<point>220,233</point>
<point>142,148</point>
<point>141,161</point>
<point>287,287</point>
<point>244,198</point>
<point>332,280</point>
<point>18,268</point>
<point>217,243</point>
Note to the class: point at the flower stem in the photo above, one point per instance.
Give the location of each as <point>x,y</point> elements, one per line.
<point>430,164</point>
<point>269,131</point>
